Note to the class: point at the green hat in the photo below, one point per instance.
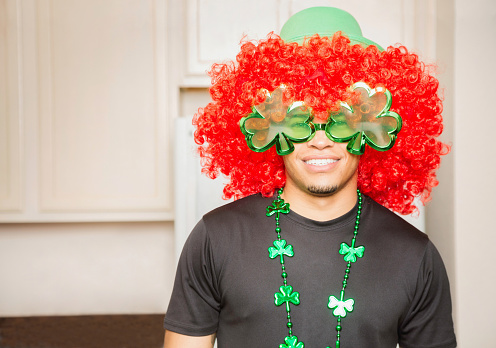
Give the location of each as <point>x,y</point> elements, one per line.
<point>324,21</point>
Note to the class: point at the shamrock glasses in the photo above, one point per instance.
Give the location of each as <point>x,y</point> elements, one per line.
<point>366,121</point>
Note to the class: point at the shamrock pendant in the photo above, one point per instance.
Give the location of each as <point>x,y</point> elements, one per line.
<point>280,249</point>
<point>340,307</point>
<point>292,342</point>
<point>286,295</point>
<point>351,253</point>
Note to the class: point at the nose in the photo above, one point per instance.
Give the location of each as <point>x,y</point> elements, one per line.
<point>320,140</point>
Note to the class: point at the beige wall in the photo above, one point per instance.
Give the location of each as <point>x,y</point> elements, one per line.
<point>85,268</point>
<point>440,210</point>
<point>474,171</point>
<point>459,217</point>
<point>85,176</point>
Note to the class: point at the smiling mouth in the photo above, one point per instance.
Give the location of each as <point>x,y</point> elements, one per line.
<point>321,161</point>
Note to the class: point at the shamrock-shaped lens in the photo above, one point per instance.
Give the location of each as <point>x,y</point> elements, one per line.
<point>366,121</point>
<point>279,122</point>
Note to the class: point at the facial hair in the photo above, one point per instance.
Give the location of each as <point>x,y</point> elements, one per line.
<point>322,190</point>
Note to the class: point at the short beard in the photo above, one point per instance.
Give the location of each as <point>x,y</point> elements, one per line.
<point>322,190</point>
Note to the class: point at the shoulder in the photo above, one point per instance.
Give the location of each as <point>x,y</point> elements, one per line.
<point>391,224</point>
<point>391,239</point>
<point>234,229</point>
<point>247,208</point>
<point>241,219</point>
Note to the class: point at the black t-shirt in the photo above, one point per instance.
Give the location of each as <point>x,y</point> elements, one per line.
<point>226,281</point>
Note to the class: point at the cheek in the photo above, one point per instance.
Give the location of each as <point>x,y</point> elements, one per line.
<point>354,160</point>
<point>288,160</point>
<point>351,159</point>
<point>291,168</point>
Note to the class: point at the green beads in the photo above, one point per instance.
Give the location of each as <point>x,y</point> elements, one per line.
<point>286,295</point>
<point>342,307</point>
<point>281,249</point>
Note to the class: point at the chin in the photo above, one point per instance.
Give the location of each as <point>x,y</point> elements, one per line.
<point>322,190</point>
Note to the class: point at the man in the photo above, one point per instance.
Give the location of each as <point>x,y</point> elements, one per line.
<point>321,133</point>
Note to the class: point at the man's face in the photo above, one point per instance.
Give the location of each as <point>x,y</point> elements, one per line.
<point>320,167</point>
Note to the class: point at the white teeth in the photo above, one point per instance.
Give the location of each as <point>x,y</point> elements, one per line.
<point>320,162</point>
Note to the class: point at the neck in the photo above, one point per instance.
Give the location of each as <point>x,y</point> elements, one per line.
<point>321,207</point>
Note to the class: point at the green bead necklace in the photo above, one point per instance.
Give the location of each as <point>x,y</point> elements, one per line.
<point>287,296</point>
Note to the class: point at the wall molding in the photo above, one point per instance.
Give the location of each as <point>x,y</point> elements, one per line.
<point>11,120</point>
<point>58,116</point>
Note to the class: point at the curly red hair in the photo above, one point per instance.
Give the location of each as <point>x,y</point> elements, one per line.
<point>320,72</point>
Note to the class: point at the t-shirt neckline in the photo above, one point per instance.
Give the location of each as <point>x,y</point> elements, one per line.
<point>329,225</point>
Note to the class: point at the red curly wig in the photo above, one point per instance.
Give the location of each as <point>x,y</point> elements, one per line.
<point>320,72</point>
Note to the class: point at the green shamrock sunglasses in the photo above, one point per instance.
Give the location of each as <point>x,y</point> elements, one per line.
<point>366,121</point>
